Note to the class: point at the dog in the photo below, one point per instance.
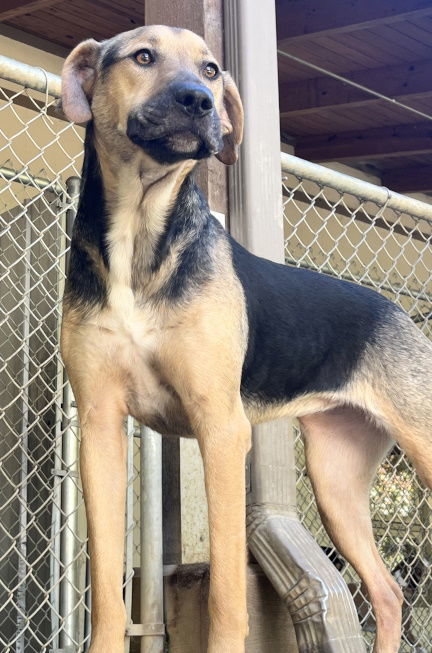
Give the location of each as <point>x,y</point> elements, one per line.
<point>168,319</point>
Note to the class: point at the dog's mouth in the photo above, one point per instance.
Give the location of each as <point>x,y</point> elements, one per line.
<point>168,135</point>
<point>167,146</point>
<point>185,141</point>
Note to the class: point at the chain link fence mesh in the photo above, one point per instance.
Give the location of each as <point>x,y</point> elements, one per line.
<point>44,571</point>
<point>346,236</point>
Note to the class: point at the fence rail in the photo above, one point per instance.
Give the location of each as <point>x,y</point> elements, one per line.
<point>333,223</point>
<point>44,573</point>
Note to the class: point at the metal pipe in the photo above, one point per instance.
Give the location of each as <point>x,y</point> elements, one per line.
<point>21,599</point>
<point>55,572</point>
<point>379,195</point>
<point>351,82</point>
<point>151,582</point>
<point>130,523</point>
<point>30,76</point>
<point>87,606</point>
<point>30,180</point>
<point>68,548</point>
<point>70,492</point>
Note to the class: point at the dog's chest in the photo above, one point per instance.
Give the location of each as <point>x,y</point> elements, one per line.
<point>133,334</point>
<point>136,324</point>
<point>136,330</point>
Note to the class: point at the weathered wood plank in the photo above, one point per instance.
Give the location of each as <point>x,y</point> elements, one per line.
<point>13,8</point>
<point>404,82</point>
<point>301,19</point>
<point>369,144</point>
<point>186,593</point>
<point>415,179</point>
<point>205,17</point>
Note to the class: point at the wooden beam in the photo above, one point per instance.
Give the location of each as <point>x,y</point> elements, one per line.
<point>11,32</point>
<point>11,9</point>
<point>403,82</point>
<point>415,179</point>
<point>255,206</point>
<point>303,19</point>
<point>171,501</point>
<point>205,17</point>
<point>367,144</point>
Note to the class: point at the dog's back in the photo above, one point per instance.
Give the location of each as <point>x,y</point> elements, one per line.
<point>313,335</point>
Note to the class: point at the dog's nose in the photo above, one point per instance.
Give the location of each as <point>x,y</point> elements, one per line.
<point>195,100</point>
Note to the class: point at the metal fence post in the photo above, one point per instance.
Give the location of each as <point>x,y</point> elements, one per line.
<point>70,489</point>
<point>151,582</point>
<point>57,469</point>
<point>130,524</point>
<point>22,544</point>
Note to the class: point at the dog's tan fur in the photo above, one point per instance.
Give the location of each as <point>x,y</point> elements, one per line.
<point>131,359</point>
<point>177,367</point>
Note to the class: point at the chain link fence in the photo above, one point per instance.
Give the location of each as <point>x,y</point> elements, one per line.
<point>363,233</point>
<point>44,571</point>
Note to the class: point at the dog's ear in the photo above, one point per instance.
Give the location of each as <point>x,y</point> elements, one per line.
<point>231,121</point>
<point>78,78</point>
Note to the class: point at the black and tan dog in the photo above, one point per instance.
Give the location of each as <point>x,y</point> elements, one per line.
<point>168,319</point>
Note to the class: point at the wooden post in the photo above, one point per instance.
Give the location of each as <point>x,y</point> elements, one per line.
<point>290,557</point>
<point>205,17</point>
<point>256,215</point>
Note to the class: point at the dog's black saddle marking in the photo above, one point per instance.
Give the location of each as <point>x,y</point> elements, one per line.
<point>307,330</point>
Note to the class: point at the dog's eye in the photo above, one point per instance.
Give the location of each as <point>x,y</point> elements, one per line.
<point>211,71</point>
<point>144,57</point>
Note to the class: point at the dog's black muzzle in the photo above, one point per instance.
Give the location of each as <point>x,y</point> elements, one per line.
<point>178,123</point>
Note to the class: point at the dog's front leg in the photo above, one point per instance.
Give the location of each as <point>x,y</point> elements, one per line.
<point>224,446</point>
<point>103,474</point>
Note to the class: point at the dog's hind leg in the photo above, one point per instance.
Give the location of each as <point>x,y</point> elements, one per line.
<point>394,383</point>
<point>343,451</point>
<point>413,433</point>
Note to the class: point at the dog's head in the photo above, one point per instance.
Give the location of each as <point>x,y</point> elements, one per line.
<point>156,88</point>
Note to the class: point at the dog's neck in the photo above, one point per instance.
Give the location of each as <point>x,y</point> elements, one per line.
<point>132,220</point>
<point>138,184</point>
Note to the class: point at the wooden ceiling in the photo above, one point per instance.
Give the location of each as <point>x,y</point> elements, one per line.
<point>385,45</point>
<point>67,22</point>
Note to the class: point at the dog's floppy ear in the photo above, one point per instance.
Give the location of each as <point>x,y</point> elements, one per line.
<point>78,78</point>
<point>231,121</point>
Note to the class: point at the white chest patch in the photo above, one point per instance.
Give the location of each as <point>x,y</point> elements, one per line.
<point>121,312</point>
<point>122,315</point>
<point>136,223</point>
